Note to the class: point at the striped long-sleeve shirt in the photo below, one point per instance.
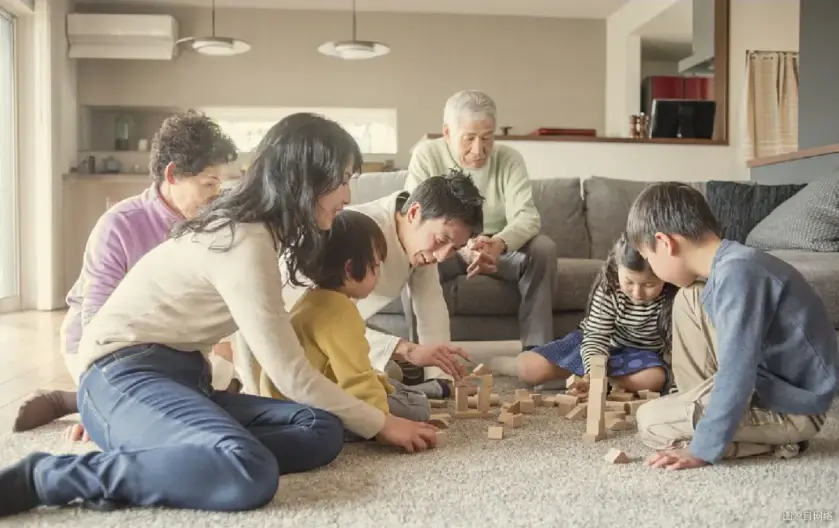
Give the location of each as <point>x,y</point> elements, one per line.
<point>614,320</point>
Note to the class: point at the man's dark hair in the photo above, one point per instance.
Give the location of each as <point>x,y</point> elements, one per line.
<point>354,237</point>
<point>193,142</point>
<point>452,196</point>
<point>674,208</point>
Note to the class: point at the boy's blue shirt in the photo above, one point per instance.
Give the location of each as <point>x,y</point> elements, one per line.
<point>776,345</point>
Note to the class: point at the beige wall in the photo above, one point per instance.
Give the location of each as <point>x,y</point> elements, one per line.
<point>542,72</point>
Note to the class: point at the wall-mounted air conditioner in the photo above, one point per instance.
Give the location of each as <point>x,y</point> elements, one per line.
<point>104,36</point>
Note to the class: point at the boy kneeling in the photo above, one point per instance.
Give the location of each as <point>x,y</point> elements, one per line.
<point>754,351</point>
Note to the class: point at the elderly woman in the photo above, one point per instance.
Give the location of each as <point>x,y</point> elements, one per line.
<point>511,248</point>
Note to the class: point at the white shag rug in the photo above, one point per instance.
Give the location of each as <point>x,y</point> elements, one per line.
<point>539,475</point>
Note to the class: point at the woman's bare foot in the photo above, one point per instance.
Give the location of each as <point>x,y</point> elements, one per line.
<point>43,408</point>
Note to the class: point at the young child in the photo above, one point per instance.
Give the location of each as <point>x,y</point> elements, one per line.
<point>331,329</point>
<point>754,350</point>
<point>627,320</point>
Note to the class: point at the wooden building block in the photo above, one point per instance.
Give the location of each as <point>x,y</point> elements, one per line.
<point>504,417</point>
<point>652,396</point>
<point>437,404</point>
<point>514,408</point>
<point>577,412</point>
<point>616,456</point>
<point>537,399</point>
<point>632,407</point>
<point>461,399</point>
<point>643,393</point>
<point>485,394</point>
<point>571,380</point>
<point>527,406</point>
<point>567,399</point>
<point>621,396</point>
<point>548,401</point>
<point>481,370</point>
<point>495,433</point>
<point>494,400</point>
<point>516,421</point>
<point>442,420</point>
<point>595,421</point>
<point>522,394</point>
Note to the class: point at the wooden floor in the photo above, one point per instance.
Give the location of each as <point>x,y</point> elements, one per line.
<point>29,359</point>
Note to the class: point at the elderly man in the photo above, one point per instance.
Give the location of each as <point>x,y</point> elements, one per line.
<point>511,247</point>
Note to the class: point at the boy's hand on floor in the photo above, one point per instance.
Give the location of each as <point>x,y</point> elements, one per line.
<point>76,433</point>
<point>673,459</point>
<point>407,434</point>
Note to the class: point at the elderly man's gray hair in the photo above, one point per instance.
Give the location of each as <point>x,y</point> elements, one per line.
<point>468,105</point>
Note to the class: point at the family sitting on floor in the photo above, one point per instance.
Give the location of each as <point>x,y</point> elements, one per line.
<point>738,341</point>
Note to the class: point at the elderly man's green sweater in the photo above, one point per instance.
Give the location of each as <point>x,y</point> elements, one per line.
<point>509,212</point>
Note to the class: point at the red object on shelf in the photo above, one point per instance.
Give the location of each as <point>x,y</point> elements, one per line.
<point>674,87</point>
<point>564,132</point>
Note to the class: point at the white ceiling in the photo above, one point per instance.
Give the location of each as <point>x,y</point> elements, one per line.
<point>537,8</point>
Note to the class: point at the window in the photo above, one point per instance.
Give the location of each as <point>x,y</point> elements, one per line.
<point>373,128</point>
<point>9,284</point>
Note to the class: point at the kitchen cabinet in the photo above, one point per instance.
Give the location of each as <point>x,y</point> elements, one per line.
<point>675,87</point>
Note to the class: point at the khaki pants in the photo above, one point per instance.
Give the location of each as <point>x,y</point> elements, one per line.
<point>669,421</point>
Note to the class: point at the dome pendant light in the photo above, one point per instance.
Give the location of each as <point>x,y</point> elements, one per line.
<point>216,46</point>
<point>354,49</point>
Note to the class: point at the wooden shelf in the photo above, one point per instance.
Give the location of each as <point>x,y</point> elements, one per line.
<point>792,156</point>
<point>591,139</point>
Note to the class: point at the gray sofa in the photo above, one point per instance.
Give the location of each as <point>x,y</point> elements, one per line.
<point>583,217</point>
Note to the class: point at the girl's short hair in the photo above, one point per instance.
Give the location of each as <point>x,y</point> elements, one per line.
<point>355,238</point>
<point>625,255</point>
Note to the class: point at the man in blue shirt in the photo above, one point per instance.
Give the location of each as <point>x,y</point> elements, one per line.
<point>754,352</point>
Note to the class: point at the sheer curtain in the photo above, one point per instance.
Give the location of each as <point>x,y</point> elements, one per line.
<point>8,163</point>
<point>771,104</point>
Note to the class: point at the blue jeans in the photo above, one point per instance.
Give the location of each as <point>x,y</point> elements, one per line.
<point>169,440</point>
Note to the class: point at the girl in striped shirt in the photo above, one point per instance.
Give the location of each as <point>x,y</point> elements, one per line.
<point>628,319</point>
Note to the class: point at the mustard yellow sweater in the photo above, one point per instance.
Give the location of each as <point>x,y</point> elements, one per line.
<point>331,331</point>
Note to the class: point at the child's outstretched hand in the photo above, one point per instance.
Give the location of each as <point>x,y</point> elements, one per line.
<point>580,386</point>
<point>673,459</point>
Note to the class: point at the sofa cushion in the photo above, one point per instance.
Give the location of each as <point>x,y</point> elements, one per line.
<point>740,206</point>
<point>607,203</point>
<point>560,205</point>
<point>808,221</point>
<point>487,296</point>
<point>820,270</point>
<point>374,185</point>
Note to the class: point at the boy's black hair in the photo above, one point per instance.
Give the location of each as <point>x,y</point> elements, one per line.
<point>355,238</point>
<point>193,142</point>
<point>674,208</point>
<point>625,255</point>
<point>451,196</point>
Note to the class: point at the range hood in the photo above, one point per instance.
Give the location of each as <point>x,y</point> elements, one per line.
<point>701,60</point>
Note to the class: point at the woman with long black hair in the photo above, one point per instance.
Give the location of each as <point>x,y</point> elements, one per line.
<point>145,397</point>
